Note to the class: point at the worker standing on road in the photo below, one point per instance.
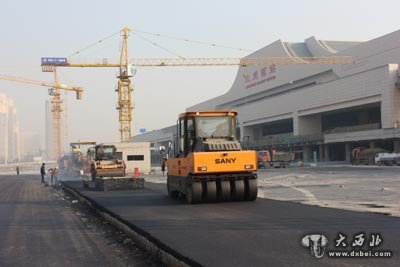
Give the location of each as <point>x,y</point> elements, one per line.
<point>43,172</point>
<point>93,172</point>
<point>17,169</point>
<point>271,156</point>
<point>53,175</point>
<point>163,166</point>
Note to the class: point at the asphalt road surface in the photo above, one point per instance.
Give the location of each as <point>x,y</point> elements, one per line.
<point>39,229</point>
<point>360,188</point>
<point>261,233</point>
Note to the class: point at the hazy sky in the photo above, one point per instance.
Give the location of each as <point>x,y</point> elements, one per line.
<point>34,29</point>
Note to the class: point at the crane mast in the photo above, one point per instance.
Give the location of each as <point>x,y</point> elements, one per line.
<point>56,109</point>
<point>125,89</point>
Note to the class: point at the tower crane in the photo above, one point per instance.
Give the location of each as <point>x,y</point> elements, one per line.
<point>125,87</point>
<point>56,101</point>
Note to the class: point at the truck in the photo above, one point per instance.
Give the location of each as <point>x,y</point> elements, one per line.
<point>105,162</point>
<point>366,156</point>
<point>279,159</point>
<point>208,163</point>
<point>264,159</point>
<point>388,159</point>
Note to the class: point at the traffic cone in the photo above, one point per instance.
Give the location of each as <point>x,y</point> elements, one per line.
<point>136,173</point>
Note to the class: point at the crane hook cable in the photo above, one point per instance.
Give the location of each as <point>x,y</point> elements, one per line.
<point>159,46</point>
<point>191,41</point>
<point>93,44</point>
<point>155,44</point>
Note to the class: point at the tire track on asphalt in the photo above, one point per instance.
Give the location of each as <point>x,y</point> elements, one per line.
<point>310,196</point>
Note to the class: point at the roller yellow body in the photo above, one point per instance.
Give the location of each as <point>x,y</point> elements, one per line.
<point>214,162</point>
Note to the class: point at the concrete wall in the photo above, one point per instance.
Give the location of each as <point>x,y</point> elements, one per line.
<point>390,109</point>
<point>303,105</point>
<point>309,125</point>
<point>378,134</point>
<point>138,149</point>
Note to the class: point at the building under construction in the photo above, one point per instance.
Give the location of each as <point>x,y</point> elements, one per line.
<point>322,110</point>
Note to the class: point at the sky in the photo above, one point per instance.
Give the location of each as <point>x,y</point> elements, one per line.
<point>30,30</point>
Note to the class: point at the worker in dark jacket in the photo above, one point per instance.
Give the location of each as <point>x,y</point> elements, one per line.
<point>163,165</point>
<point>43,172</point>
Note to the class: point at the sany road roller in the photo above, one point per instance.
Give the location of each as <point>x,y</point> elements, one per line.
<point>207,163</point>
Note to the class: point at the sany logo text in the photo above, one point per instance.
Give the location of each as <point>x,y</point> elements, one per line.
<point>225,161</point>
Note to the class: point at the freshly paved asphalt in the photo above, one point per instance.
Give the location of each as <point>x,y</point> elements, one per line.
<point>37,229</point>
<point>261,233</point>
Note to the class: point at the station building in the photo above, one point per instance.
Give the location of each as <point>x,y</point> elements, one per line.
<point>314,110</point>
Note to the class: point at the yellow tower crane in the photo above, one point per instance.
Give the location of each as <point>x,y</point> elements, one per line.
<point>125,87</point>
<point>56,102</point>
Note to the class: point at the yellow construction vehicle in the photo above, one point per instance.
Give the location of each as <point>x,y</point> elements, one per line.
<point>105,162</point>
<point>207,163</point>
<point>77,160</point>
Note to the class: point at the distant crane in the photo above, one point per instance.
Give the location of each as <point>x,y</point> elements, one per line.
<point>124,78</point>
<point>125,87</point>
<point>56,102</point>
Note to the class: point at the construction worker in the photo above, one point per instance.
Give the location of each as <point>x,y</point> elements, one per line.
<point>93,172</point>
<point>163,166</point>
<point>53,174</point>
<point>43,172</point>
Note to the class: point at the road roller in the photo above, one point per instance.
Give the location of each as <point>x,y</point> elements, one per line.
<point>105,162</point>
<point>206,162</point>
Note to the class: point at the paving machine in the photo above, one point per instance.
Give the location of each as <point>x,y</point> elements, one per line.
<point>207,163</point>
<point>77,161</point>
<point>105,162</point>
